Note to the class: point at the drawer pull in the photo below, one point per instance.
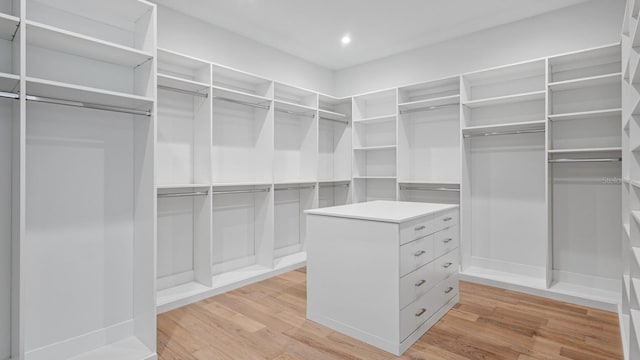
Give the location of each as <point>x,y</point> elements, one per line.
<point>450,289</point>
<point>418,253</point>
<point>418,228</point>
<point>420,283</point>
<point>447,219</point>
<point>446,241</point>
<point>447,265</point>
<point>422,311</point>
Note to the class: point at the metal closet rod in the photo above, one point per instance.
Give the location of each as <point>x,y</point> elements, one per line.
<point>428,108</point>
<point>196,193</point>
<point>580,160</point>
<point>334,185</point>
<point>240,102</point>
<point>298,113</point>
<point>427,188</point>
<point>80,104</point>
<point>248,191</point>
<point>181,91</point>
<point>514,132</point>
<point>335,120</point>
<point>296,188</point>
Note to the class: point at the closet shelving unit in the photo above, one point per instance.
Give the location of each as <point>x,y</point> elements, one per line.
<point>429,141</point>
<point>503,149</point>
<point>630,188</point>
<point>375,143</point>
<point>584,153</point>
<point>86,123</point>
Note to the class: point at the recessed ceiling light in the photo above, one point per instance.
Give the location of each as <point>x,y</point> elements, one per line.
<point>346,39</point>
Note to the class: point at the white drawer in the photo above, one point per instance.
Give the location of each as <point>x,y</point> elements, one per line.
<point>416,229</point>
<point>419,311</point>
<point>446,265</point>
<point>415,254</point>
<point>446,290</point>
<point>445,240</point>
<point>445,220</point>
<point>417,283</point>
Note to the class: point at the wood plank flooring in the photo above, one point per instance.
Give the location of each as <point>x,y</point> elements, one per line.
<point>266,320</point>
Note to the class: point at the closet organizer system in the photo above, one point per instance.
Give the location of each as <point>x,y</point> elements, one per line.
<point>87,102</point>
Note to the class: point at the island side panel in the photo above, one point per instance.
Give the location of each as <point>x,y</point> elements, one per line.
<point>353,278</point>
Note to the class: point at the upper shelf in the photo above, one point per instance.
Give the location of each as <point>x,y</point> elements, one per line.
<point>293,108</point>
<point>586,114</point>
<point>182,84</point>
<point>508,127</point>
<point>332,115</point>
<point>9,82</point>
<point>608,79</point>
<point>376,119</point>
<point>240,97</point>
<point>430,104</point>
<point>504,100</point>
<point>8,26</point>
<point>76,44</point>
<point>69,92</point>
<point>587,150</point>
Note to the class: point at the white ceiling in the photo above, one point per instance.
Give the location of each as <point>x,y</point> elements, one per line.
<point>312,29</point>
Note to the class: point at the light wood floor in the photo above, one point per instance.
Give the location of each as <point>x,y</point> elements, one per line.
<point>267,321</point>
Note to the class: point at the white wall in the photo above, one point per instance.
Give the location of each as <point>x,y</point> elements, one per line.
<point>590,24</point>
<point>185,34</point>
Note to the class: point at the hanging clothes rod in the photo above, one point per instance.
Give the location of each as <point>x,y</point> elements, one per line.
<point>335,120</point>
<point>514,132</point>
<point>297,113</point>
<point>79,104</point>
<point>9,95</point>
<point>334,185</point>
<point>296,188</point>
<point>240,102</point>
<point>428,188</point>
<point>429,108</point>
<point>248,191</point>
<point>170,195</point>
<point>181,91</point>
<point>578,160</point>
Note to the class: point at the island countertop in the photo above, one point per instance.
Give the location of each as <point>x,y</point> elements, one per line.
<point>382,210</point>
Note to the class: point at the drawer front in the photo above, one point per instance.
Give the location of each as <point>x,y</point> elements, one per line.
<point>416,229</point>
<point>445,240</point>
<point>446,265</point>
<point>417,283</point>
<point>445,220</point>
<point>419,311</point>
<point>446,290</point>
<point>415,254</point>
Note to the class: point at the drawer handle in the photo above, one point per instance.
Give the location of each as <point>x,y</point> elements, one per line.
<point>450,289</point>
<point>422,311</point>
<point>418,228</point>
<point>420,283</point>
<point>447,219</point>
<point>447,265</point>
<point>418,253</point>
<point>446,241</point>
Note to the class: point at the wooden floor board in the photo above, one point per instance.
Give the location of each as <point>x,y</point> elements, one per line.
<point>266,321</point>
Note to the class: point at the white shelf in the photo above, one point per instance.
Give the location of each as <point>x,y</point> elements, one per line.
<point>586,114</point>
<point>505,100</point>
<point>373,148</point>
<point>428,103</point>
<point>374,177</point>
<point>518,126</point>
<point>331,115</point>
<point>608,79</point>
<point>181,186</point>
<point>429,182</point>
<point>128,349</point>
<point>76,44</point>
<point>636,216</point>
<point>295,182</point>
<point>578,151</point>
<point>9,82</point>
<point>333,181</point>
<point>221,92</point>
<point>376,119</point>
<point>8,26</point>
<point>241,183</point>
<point>185,61</point>
<point>293,107</point>
<point>182,84</point>
<point>69,92</point>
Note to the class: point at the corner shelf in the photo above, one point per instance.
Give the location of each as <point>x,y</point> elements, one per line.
<point>8,26</point>
<point>50,37</point>
<point>608,79</point>
<point>182,84</point>
<point>505,100</point>
<point>586,114</point>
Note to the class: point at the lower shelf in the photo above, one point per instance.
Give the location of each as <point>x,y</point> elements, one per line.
<point>562,291</point>
<point>189,293</point>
